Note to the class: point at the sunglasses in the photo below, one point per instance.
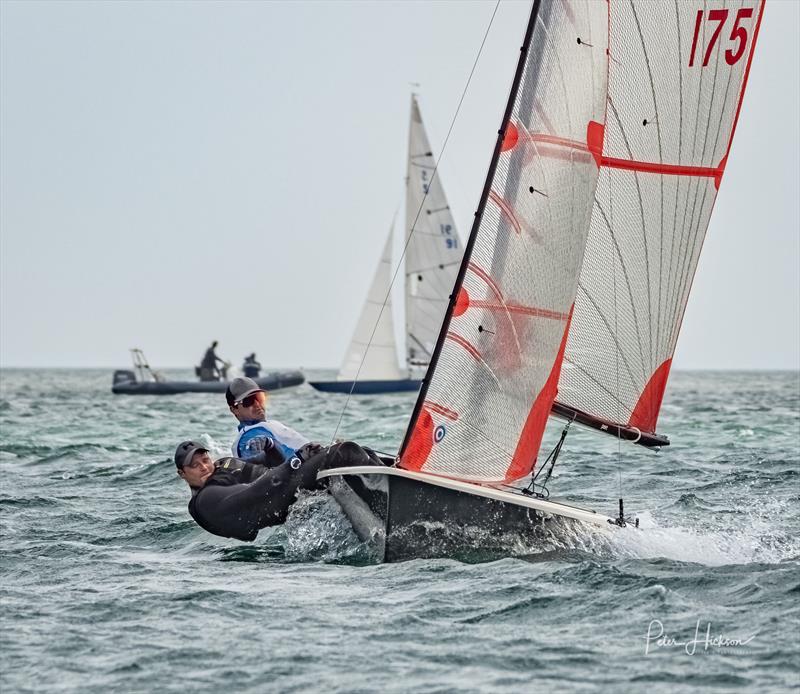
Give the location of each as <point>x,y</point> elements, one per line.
<point>251,400</point>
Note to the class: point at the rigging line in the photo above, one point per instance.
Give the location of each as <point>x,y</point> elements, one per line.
<point>419,211</point>
<point>616,328</point>
<point>371,337</point>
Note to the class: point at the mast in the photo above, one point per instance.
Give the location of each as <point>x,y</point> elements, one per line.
<point>475,224</point>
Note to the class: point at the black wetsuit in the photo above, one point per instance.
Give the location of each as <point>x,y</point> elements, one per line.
<point>242,497</point>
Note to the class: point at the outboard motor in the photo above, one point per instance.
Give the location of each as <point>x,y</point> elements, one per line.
<point>124,376</point>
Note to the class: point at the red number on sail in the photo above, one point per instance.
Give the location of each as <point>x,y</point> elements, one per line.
<point>696,34</point>
<point>739,33</point>
<point>715,16</point>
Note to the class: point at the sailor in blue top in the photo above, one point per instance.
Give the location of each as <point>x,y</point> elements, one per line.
<point>257,434</point>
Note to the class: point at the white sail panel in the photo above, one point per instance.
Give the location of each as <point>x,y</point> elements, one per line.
<point>379,356</point>
<point>677,73</point>
<point>434,251</point>
<point>492,385</point>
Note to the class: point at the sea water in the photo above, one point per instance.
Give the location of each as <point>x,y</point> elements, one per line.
<point>108,585</point>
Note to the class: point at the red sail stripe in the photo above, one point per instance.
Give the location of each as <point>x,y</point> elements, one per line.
<point>506,210</point>
<point>480,272</point>
<point>466,345</point>
<point>442,410</point>
<point>655,167</point>
<point>419,447</point>
<point>517,308</point>
<point>714,172</point>
<point>530,437</point>
<point>645,414</point>
<point>503,306</point>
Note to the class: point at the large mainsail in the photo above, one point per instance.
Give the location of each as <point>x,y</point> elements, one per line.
<point>434,251</point>
<point>372,356</point>
<point>677,74</point>
<point>489,390</point>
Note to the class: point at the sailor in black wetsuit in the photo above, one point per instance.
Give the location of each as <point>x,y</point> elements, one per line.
<point>234,498</point>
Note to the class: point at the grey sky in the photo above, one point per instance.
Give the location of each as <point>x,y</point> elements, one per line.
<point>173,173</point>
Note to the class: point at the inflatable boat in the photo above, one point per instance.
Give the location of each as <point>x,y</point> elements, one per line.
<point>144,380</point>
<point>126,383</point>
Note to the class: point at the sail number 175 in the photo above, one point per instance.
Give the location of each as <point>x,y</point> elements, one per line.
<point>738,36</point>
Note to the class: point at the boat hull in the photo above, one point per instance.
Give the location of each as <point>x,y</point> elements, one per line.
<point>367,387</point>
<point>271,381</point>
<point>405,515</point>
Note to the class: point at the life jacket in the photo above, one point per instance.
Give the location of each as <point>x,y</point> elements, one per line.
<point>285,439</point>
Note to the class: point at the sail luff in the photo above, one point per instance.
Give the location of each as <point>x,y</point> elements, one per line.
<point>475,226</point>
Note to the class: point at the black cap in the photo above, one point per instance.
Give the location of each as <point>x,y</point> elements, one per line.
<point>186,450</point>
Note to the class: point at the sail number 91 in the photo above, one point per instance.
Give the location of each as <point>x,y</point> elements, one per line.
<point>738,36</point>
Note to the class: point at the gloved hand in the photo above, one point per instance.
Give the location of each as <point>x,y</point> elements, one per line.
<point>309,450</point>
<point>256,445</point>
<point>346,454</point>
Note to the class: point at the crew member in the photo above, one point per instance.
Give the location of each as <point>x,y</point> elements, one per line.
<point>234,498</point>
<point>208,365</point>
<point>247,402</point>
<point>251,368</point>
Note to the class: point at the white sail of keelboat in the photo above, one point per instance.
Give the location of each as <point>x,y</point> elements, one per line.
<point>432,258</point>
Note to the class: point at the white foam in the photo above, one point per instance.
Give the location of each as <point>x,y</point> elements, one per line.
<point>754,538</point>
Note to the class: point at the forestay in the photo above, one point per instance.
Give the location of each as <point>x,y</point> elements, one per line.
<point>677,73</point>
<point>434,251</point>
<point>379,355</point>
<point>493,376</point>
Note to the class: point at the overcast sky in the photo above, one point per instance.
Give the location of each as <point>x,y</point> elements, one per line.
<point>174,173</point>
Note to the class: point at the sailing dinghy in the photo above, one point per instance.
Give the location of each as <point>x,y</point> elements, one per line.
<point>578,267</point>
<point>432,259</point>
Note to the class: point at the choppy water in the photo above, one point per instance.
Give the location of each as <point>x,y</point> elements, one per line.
<point>107,585</point>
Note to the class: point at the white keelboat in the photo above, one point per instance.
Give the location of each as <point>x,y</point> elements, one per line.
<point>432,258</point>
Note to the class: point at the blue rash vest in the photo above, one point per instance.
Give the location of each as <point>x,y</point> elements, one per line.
<point>277,435</point>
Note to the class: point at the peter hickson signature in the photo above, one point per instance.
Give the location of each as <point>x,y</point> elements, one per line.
<point>656,638</point>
